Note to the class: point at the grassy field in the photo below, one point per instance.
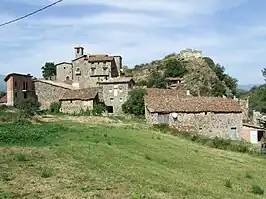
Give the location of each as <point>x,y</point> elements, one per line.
<point>78,160</point>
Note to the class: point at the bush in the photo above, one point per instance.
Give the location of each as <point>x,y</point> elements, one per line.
<point>135,104</point>
<point>228,183</point>
<point>256,189</point>
<point>46,172</point>
<point>29,107</point>
<point>98,109</point>
<point>21,158</point>
<point>55,107</point>
<point>164,128</point>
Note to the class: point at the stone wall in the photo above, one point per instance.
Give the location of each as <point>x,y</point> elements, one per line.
<point>115,95</point>
<point>48,93</point>
<point>244,103</point>
<point>209,124</point>
<point>76,106</point>
<point>88,74</point>
<point>64,71</point>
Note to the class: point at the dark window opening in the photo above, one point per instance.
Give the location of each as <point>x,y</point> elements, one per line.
<point>16,95</point>
<point>25,95</point>
<point>92,71</point>
<point>64,67</point>
<point>260,134</point>
<point>67,77</point>
<point>206,113</point>
<point>77,50</point>
<point>71,101</point>
<point>110,109</point>
<point>16,84</point>
<point>111,99</point>
<point>24,86</point>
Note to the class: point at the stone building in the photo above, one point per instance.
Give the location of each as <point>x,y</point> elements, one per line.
<point>207,115</point>
<point>48,92</point>
<point>190,53</point>
<point>173,82</point>
<point>19,88</point>
<point>75,101</point>
<point>252,133</point>
<point>87,70</point>
<point>115,92</point>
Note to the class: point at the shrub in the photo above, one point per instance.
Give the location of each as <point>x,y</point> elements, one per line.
<point>21,158</point>
<point>248,175</point>
<point>29,107</point>
<point>98,109</point>
<point>135,104</point>
<point>256,189</point>
<point>228,183</point>
<point>46,172</point>
<point>55,107</point>
<point>164,128</point>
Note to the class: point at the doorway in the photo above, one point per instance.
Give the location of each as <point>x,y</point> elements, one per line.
<point>260,135</point>
<point>110,109</point>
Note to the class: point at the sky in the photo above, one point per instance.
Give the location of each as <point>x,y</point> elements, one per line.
<point>231,32</point>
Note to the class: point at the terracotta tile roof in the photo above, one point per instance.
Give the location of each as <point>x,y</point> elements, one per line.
<point>80,94</point>
<point>167,92</point>
<point>3,100</point>
<point>117,80</point>
<point>92,58</point>
<point>58,84</point>
<point>17,74</point>
<point>167,101</point>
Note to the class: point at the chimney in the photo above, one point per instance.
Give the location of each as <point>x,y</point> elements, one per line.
<point>79,51</point>
<point>188,92</point>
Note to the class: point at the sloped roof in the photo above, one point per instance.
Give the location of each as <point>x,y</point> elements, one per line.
<point>17,74</point>
<point>94,58</point>
<point>167,101</point>
<point>3,100</point>
<point>58,84</point>
<point>117,80</point>
<point>80,94</point>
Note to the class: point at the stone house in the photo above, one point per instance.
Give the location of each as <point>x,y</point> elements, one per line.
<point>87,70</point>
<point>207,115</point>
<point>75,101</point>
<point>173,82</point>
<point>48,92</point>
<point>252,133</point>
<point>19,88</point>
<point>115,92</point>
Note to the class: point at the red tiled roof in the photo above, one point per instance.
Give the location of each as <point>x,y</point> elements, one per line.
<point>167,101</point>
<point>3,100</point>
<point>80,94</point>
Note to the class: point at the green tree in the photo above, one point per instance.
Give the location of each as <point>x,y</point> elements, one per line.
<point>156,80</point>
<point>174,68</point>
<point>257,99</point>
<point>218,89</point>
<point>2,94</point>
<point>231,83</point>
<point>135,104</point>
<point>210,62</point>
<point>263,71</point>
<point>48,70</point>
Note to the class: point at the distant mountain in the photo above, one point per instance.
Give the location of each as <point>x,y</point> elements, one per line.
<point>2,83</point>
<point>247,87</point>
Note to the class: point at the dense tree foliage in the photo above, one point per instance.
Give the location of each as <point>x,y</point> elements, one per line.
<point>48,70</point>
<point>156,80</point>
<point>257,99</point>
<point>135,104</point>
<point>174,68</point>
<point>2,94</point>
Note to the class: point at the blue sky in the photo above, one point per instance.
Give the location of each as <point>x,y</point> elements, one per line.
<point>232,32</point>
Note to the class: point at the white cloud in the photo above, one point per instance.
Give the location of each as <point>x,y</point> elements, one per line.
<point>139,30</point>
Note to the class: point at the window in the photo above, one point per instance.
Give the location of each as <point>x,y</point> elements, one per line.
<point>111,99</point>
<point>67,77</point>
<point>121,99</point>
<point>25,95</point>
<point>77,69</point>
<point>64,67</point>
<point>93,71</point>
<point>110,90</point>
<point>16,84</point>
<point>120,90</point>
<point>206,113</point>
<point>71,101</point>
<point>26,86</point>
<point>78,50</point>
<point>16,94</point>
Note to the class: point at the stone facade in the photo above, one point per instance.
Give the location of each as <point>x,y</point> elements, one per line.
<point>115,93</point>
<point>48,92</point>
<point>20,88</point>
<point>190,53</point>
<point>210,124</point>
<point>207,115</point>
<point>76,106</point>
<point>87,70</point>
<point>252,133</point>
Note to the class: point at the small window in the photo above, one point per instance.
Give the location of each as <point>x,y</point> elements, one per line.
<point>110,90</point>
<point>92,62</point>
<point>78,50</point>
<point>25,95</point>
<point>93,71</point>
<point>98,62</point>
<point>64,67</point>
<point>111,99</point>
<point>71,101</point>
<point>121,100</point>
<point>206,113</point>
<point>16,94</point>
<point>24,86</point>
<point>67,77</point>
<point>16,84</point>
<point>77,69</point>
<point>120,90</point>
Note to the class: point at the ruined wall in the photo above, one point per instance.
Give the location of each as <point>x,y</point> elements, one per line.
<point>76,106</point>
<point>19,89</point>
<point>209,124</point>
<point>64,71</point>
<point>47,93</point>
<point>115,95</point>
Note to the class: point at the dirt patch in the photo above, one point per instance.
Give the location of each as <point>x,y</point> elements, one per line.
<point>80,119</point>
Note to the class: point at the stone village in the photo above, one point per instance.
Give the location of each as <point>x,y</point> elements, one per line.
<point>88,79</point>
